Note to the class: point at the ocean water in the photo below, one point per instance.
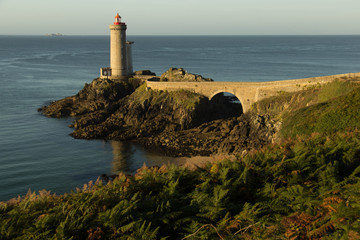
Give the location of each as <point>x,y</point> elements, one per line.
<point>37,152</point>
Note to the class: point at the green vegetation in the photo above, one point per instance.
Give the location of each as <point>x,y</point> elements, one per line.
<point>285,102</point>
<point>330,108</point>
<point>117,90</point>
<point>187,99</point>
<point>301,189</point>
<point>336,89</point>
<point>183,98</point>
<point>335,107</point>
<point>306,187</point>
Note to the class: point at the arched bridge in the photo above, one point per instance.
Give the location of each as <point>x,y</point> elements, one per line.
<point>247,92</point>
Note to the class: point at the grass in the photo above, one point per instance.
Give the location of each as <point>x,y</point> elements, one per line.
<point>332,107</point>
<point>287,102</point>
<point>186,99</point>
<point>337,108</point>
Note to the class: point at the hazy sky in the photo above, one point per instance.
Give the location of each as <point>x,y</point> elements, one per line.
<point>181,17</point>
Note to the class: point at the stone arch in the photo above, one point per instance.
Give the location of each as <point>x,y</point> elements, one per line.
<point>230,108</point>
<point>222,91</point>
<point>228,91</point>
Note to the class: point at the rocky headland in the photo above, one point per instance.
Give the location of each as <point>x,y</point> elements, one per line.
<point>177,123</point>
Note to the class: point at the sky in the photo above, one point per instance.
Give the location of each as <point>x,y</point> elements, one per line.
<point>181,17</point>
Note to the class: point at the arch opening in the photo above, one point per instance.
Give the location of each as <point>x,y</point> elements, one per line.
<point>225,105</point>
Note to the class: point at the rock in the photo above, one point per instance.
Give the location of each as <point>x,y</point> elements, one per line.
<point>176,123</point>
<point>144,72</point>
<point>101,94</point>
<point>227,136</point>
<point>180,75</point>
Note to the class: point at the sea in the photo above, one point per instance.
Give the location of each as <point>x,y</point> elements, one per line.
<point>37,152</point>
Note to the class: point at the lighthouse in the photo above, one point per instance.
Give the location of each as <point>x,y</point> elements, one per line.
<point>120,52</point>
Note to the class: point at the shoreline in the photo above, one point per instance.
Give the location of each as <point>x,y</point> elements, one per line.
<point>178,122</point>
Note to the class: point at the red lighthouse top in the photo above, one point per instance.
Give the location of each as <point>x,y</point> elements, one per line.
<point>118,20</point>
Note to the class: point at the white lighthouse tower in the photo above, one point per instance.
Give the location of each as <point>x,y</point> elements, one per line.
<point>120,52</point>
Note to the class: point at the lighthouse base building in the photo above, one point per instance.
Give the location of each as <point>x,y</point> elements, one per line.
<point>120,53</point>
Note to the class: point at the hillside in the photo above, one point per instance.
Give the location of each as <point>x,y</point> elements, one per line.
<point>303,184</point>
<point>308,188</point>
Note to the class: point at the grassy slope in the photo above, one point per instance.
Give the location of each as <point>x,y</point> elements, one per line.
<point>336,114</point>
<point>332,107</point>
<point>306,187</point>
<point>185,99</point>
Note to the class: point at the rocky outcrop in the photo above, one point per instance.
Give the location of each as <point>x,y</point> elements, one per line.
<point>234,136</point>
<point>144,113</point>
<point>144,73</point>
<point>178,123</point>
<point>180,75</point>
<point>101,95</point>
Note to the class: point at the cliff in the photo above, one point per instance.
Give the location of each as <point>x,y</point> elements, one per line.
<point>97,97</point>
<point>143,113</point>
<point>182,123</point>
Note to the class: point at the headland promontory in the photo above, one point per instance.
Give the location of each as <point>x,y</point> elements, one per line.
<point>178,122</point>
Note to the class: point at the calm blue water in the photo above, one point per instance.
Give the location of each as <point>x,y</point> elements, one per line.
<point>36,152</point>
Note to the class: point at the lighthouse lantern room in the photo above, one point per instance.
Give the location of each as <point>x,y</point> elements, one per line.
<point>118,20</point>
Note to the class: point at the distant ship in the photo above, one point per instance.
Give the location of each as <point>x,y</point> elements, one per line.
<point>53,35</point>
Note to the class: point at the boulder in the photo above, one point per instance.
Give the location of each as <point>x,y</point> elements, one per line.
<point>144,73</point>
<point>180,75</point>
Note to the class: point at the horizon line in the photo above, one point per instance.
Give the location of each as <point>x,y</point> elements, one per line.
<point>184,35</point>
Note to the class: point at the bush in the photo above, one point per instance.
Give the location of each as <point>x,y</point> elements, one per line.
<point>303,188</point>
